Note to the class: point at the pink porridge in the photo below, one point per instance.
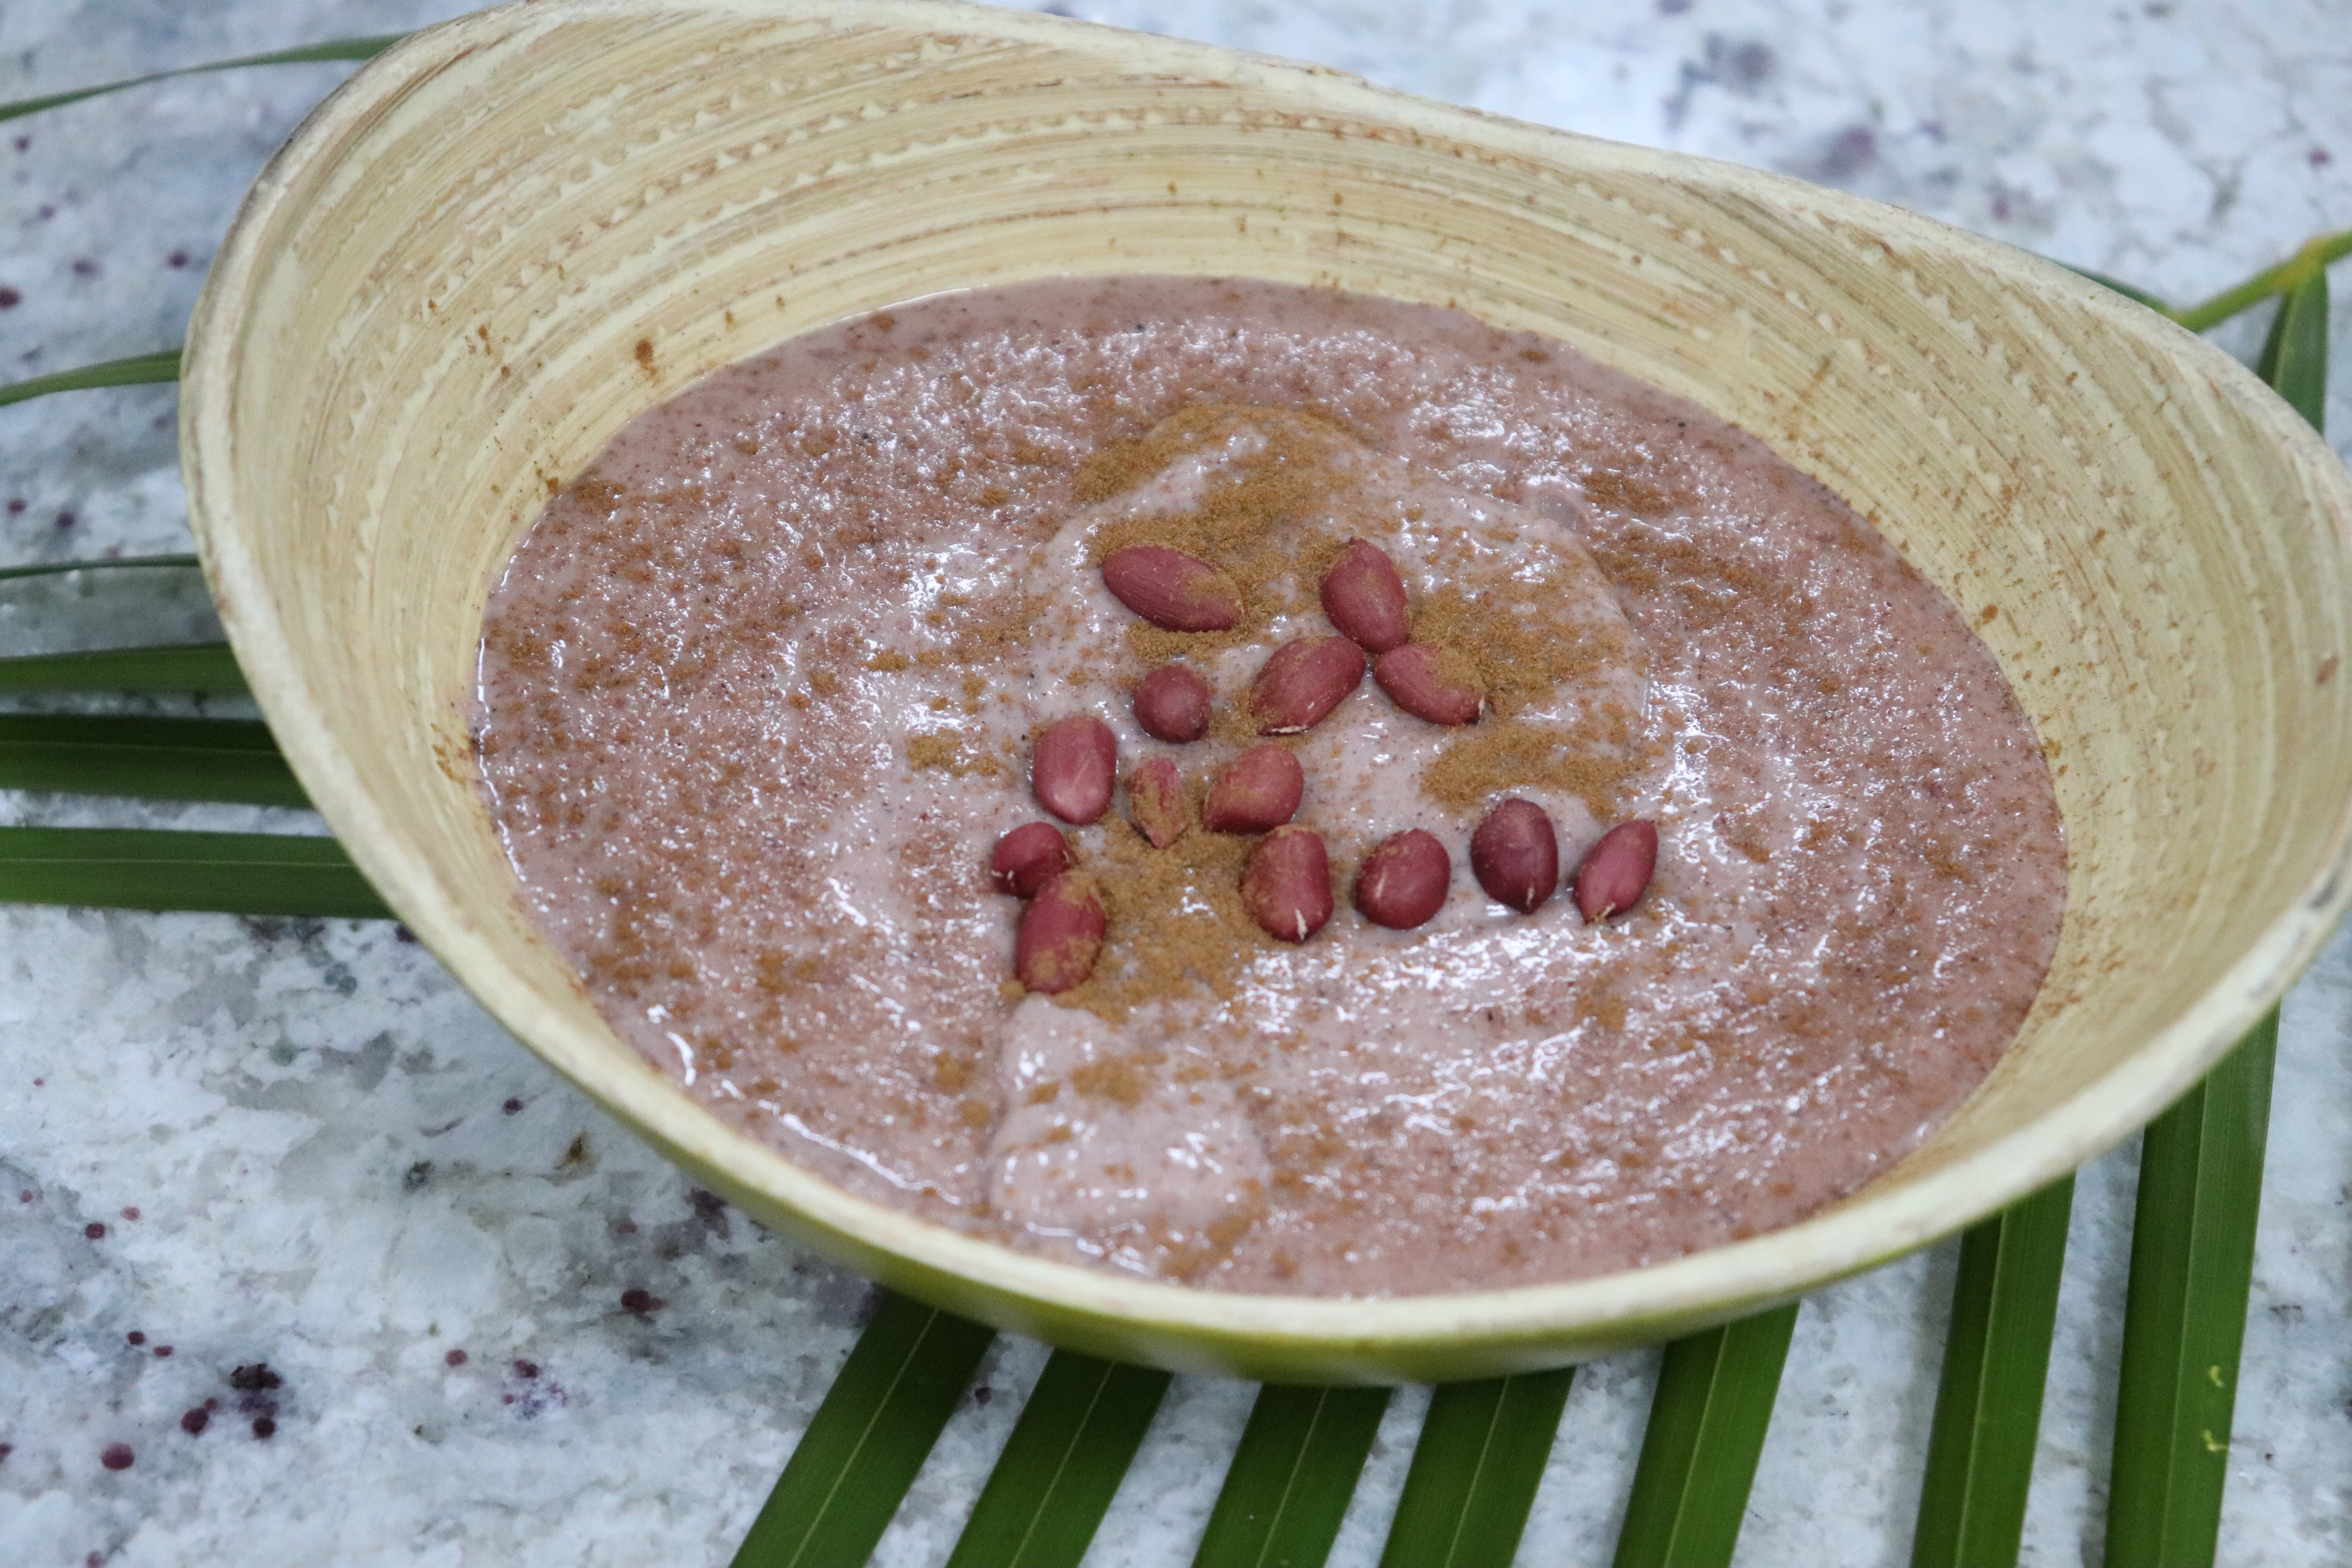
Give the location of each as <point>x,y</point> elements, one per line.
<point>1113,567</point>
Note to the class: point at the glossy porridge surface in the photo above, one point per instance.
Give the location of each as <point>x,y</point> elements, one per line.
<point>758,693</point>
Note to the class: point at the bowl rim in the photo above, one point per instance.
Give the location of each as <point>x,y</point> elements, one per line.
<point>1178,1324</point>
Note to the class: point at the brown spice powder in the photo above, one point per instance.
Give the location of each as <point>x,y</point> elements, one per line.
<point>1176,922</point>
<point>1494,757</point>
<point>943,750</point>
<point>1620,491</point>
<point>1273,521</point>
<point>1512,639</point>
<point>1256,522</point>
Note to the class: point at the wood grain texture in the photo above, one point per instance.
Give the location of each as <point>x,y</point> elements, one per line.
<point>507,237</point>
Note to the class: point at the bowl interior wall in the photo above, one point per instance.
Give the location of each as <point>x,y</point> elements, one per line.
<point>488,259</point>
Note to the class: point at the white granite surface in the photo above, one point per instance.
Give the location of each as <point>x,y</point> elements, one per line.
<point>308,1148</point>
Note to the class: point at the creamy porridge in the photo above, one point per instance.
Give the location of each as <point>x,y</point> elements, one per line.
<point>927,740</point>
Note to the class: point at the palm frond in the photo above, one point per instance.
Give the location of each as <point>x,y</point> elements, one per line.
<point>1290,1479</point>
<point>860,1452</point>
<point>1474,1472</point>
<point>137,369</point>
<point>108,563</point>
<point>150,869</point>
<point>1705,1434</point>
<point>334,50</point>
<point>194,667</point>
<point>1996,1365</point>
<point>162,759</point>
<point>1062,1466</point>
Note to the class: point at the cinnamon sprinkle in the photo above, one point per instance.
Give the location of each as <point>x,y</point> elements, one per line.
<point>1258,520</point>
<point>1272,516</point>
<point>1176,924</point>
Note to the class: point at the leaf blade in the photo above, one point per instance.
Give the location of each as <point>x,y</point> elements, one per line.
<point>152,868</point>
<point>192,667</point>
<point>2316,255</point>
<point>2295,354</point>
<point>137,369</point>
<point>1713,1403</point>
<point>2185,1311</point>
<point>1996,1368</point>
<point>107,563</point>
<point>225,760</point>
<point>1063,1464</point>
<point>862,1449</point>
<point>1291,1477</point>
<point>1480,1457</point>
<point>332,49</point>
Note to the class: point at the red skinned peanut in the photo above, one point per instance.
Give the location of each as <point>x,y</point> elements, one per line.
<point>1365,597</point>
<point>1025,856</point>
<point>1514,855</point>
<point>1155,799</point>
<point>1411,677</point>
<point>1172,704</point>
<point>1072,768</point>
<point>1287,888</point>
<point>1261,790</point>
<point>1061,933</point>
<point>1403,881</point>
<point>1302,681</point>
<point>1173,591</point>
<point>1616,872</point>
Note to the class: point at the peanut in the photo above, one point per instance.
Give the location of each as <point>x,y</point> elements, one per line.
<point>1365,597</point>
<point>1061,934</point>
<point>1616,872</point>
<point>1173,591</point>
<point>1261,790</point>
<point>1410,676</point>
<point>1172,704</point>
<point>1073,767</point>
<point>1287,887</point>
<point>1025,856</point>
<point>1403,881</point>
<point>1155,799</point>
<point>1514,855</point>
<point>1302,681</point>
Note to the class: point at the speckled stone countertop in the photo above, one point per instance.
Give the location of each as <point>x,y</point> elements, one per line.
<point>283,1181</point>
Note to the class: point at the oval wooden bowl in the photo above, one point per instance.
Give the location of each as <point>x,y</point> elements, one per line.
<point>505,237</point>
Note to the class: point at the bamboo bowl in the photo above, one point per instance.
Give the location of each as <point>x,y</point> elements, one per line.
<point>509,235</point>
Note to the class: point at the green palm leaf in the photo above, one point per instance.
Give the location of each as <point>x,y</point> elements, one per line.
<point>873,1432</point>
<point>137,369</point>
<point>2192,1263</point>
<point>1290,1479</point>
<point>109,564</point>
<point>335,50</point>
<point>2295,356</point>
<point>146,868</point>
<point>196,666</point>
<point>1996,1364</point>
<point>1698,1454</point>
<point>1062,1466</point>
<point>1474,1472</point>
<point>2314,257</point>
<point>167,758</point>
